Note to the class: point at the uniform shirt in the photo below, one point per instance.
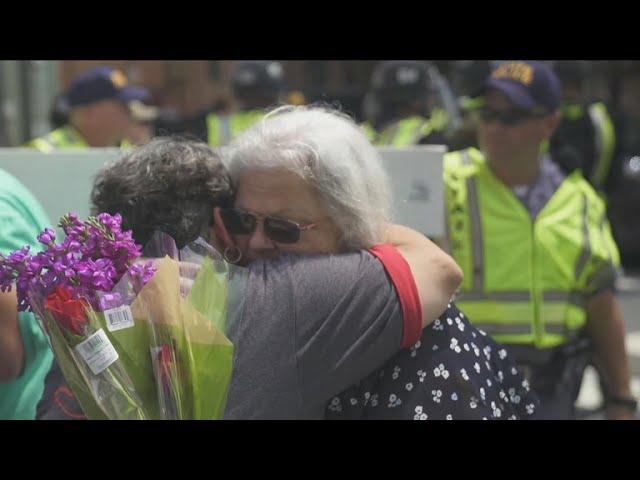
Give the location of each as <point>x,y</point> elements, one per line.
<point>22,218</point>
<point>536,195</point>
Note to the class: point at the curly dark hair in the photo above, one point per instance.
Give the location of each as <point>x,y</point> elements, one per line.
<point>170,184</point>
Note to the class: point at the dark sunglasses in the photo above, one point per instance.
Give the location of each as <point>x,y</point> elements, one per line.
<point>240,222</point>
<point>508,118</point>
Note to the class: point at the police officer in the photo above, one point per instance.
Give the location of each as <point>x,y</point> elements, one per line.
<point>585,138</point>
<point>98,115</point>
<point>535,245</point>
<point>401,106</point>
<point>256,85</point>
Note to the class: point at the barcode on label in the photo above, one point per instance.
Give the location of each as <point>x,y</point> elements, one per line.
<point>91,344</point>
<point>119,318</point>
<point>97,352</point>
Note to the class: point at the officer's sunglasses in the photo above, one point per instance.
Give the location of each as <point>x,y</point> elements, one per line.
<point>509,118</point>
<point>241,222</point>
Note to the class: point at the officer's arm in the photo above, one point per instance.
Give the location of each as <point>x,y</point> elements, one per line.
<point>436,274</point>
<point>11,348</point>
<point>607,330</point>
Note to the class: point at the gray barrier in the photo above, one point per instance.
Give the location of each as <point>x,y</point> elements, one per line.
<point>62,181</point>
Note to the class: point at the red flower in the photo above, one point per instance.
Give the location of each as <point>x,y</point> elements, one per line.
<point>68,311</point>
<point>165,356</point>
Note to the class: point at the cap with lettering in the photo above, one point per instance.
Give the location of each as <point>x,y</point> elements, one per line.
<point>102,83</point>
<point>527,84</point>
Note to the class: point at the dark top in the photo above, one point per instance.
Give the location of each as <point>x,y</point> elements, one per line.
<point>454,372</point>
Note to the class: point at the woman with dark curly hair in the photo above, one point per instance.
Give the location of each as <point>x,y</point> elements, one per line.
<point>171,184</point>
<point>310,326</point>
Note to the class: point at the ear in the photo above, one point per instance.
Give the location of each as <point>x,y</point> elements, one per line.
<point>220,231</point>
<point>551,123</point>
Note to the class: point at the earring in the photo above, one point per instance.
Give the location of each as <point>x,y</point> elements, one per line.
<point>232,254</point>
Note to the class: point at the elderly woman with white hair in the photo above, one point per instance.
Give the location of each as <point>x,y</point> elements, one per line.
<point>309,182</point>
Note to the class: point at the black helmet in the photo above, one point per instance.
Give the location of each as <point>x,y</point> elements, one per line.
<point>263,78</point>
<point>469,76</point>
<point>571,72</point>
<point>401,80</point>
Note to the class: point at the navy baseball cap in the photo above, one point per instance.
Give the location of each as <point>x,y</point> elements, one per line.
<point>102,83</point>
<point>527,84</point>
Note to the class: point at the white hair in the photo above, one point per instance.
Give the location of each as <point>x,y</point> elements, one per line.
<point>328,150</point>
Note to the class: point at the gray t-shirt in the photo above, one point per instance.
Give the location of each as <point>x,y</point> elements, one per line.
<point>310,327</point>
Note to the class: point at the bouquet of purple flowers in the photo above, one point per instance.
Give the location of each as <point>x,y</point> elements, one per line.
<point>129,344</point>
<point>66,285</point>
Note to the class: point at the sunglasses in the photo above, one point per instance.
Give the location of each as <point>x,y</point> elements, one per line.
<point>240,222</point>
<point>508,118</point>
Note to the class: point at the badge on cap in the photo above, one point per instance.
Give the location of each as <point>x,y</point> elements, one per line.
<point>519,71</point>
<point>118,79</point>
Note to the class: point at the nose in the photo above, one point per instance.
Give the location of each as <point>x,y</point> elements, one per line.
<point>259,242</point>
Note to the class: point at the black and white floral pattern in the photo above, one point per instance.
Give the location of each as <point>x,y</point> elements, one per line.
<point>454,372</point>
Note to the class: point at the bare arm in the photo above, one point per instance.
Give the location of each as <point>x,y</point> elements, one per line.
<point>11,347</point>
<point>607,330</point>
<point>437,275</point>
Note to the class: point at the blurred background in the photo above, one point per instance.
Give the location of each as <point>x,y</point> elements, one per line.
<point>185,93</point>
<point>187,89</point>
<point>215,100</point>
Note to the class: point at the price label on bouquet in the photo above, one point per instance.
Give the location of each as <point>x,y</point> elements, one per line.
<point>97,351</point>
<point>119,318</point>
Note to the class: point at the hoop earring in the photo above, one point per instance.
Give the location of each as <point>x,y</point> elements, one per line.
<point>232,254</point>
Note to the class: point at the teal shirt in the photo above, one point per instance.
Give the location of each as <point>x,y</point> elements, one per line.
<point>22,218</point>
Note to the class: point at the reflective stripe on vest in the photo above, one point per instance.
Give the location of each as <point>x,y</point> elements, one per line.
<point>574,298</point>
<point>605,144</point>
<point>586,247</point>
<point>404,133</point>
<point>476,229</point>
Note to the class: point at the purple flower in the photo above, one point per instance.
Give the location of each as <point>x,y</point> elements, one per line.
<point>141,273</point>
<point>19,255</point>
<point>94,256</point>
<point>110,300</point>
<point>47,237</point>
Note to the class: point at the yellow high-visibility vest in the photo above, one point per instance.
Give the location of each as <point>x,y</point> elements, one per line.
<point>222,129</point>
<point>409,131</point>
<point>525,280</point>
<point>65,137</point>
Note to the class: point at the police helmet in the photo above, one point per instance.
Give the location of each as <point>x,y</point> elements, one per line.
<point>571,72</point>
<point>401,80</point>
<point>264,78</point>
